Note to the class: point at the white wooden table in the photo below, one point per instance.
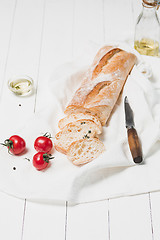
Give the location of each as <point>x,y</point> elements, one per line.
<point>37,36</point>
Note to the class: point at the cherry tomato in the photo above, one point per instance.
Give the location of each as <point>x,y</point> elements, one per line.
<point>43,143</point>
<point>15,144</point>
<point>41,160</point>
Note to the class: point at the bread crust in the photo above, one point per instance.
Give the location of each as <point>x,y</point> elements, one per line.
<point>103,83</point>
<point>60,149</point>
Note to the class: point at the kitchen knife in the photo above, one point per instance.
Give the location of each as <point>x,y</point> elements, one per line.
<point>133,139</point>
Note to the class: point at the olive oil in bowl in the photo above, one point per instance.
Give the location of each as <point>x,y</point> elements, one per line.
<point>21,85</point>
<point>147,47</point>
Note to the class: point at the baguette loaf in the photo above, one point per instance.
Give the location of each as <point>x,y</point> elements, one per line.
<point>92,104</point>
<point>75,131</point>
<point>85,150</point>
<point>103,83</point>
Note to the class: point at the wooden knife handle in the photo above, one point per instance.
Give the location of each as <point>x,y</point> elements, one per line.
<point>135,146</point>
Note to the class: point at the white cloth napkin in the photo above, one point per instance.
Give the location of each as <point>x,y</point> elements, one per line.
<point>113,174</point>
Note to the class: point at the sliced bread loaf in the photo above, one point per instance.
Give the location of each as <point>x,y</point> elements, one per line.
<point>73,132</point>
<point>85,150</point>
<point>79,116</point>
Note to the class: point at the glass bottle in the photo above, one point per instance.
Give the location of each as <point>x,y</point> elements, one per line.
<point>147,30</point>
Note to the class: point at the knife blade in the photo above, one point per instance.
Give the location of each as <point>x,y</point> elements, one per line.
<point>133,139</point>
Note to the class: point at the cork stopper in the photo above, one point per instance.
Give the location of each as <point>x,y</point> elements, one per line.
<point>151,3</point>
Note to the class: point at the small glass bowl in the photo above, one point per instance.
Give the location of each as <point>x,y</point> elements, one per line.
<point>21,85</point>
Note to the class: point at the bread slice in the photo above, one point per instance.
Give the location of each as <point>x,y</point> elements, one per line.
<point>73,132</point>
<point>85,150</point>
<point>79,116</point>
<point>100,112</point>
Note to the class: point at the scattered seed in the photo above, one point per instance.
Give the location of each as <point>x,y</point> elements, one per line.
<point>86,136</point>
<point>14,168</point>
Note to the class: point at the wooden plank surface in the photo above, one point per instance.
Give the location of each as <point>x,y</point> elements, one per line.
<point>11,217</point>
<point>23,59</point>
<point>88,221</point>
<point>118,20</point>
<point>56,47</point>
<point>155,214</point>
<point>7,14</point>
<point>11,209</point>
<point>130,218</point>
<point>88,26</point>
<point>44,221</point>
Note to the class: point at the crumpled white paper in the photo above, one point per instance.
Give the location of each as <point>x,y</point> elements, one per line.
<point>113,174</point>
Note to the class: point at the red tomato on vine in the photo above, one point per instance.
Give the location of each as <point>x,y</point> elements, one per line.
<point>41,160</point>
<point>15,144</point>
<point>43,143</point>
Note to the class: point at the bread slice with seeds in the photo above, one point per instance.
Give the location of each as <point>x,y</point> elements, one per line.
<point>79,116</point>
<point>85,150</point>
<point>75,131</point>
